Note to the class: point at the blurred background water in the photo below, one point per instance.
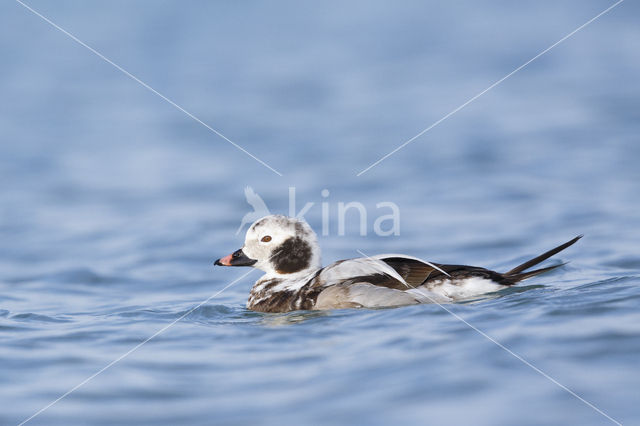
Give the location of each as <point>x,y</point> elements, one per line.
<point>114,205</point>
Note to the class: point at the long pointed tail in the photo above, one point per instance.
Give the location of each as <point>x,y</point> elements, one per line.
<point>518,274</point>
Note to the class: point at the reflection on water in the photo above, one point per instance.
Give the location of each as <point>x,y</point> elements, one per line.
<point>276,320</point>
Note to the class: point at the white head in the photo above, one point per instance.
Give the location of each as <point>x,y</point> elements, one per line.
<point>278,245</point>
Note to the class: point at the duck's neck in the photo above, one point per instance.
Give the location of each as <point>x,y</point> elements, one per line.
<point>292,281</point>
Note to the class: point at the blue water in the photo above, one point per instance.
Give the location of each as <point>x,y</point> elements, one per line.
<point>114,205</point>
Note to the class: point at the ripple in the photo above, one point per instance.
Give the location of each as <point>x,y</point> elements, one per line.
<point>208,312</point>
<point>205,313</point>
<point>84,276</point>
<point>632,263</point>
<point>31,317</point>
<point>605,282</point>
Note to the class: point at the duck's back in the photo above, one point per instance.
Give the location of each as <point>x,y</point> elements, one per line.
<point>395,280</point>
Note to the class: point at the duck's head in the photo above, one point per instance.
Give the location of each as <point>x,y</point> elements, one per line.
<point>278,245</point>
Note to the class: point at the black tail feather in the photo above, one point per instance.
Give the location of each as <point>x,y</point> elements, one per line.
<point>514,278</point>
<point>518,274</point>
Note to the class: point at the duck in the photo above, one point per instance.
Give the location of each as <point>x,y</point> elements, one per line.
<point>286,249</point>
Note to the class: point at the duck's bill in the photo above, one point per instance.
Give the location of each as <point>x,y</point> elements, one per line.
<point>237,258</point>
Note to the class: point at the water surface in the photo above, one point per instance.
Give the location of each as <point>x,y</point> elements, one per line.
<point>114,205</point>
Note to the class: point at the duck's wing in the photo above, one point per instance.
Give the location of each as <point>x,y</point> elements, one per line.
<point>361,282</point>
<point>436,283</point>
<point>392,280</point>
<point>360,270</point>
<point>414,271</point>
<point>380,281</point>
<point>395,271</point>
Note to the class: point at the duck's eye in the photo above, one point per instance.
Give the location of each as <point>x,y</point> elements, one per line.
<point>266,239</point>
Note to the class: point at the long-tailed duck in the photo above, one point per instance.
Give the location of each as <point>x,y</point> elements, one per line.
<point>287,250</point>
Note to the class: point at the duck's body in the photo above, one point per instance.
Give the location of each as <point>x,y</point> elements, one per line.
<point>286,249</point>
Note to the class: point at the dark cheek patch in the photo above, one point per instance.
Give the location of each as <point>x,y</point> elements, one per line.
<point>293,255</point>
